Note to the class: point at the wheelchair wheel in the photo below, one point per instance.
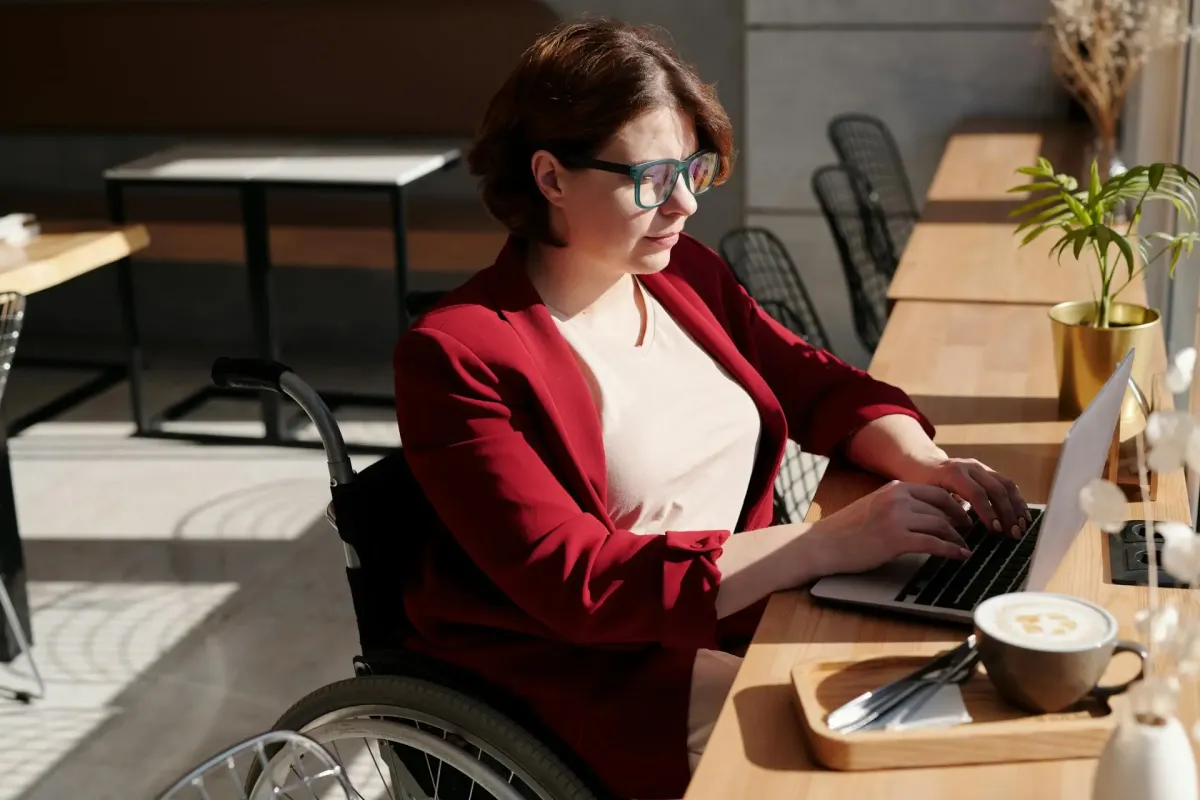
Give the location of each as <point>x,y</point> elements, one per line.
<point>398,737</point>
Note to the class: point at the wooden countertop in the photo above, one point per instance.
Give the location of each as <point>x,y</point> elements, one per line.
<point>56,257</point>
<point>985,375</point>
<point>964,247</point>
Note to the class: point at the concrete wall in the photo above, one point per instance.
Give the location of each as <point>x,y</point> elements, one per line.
<point>919,65</point>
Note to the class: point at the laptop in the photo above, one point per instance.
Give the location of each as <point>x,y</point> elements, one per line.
<point>931,586</point>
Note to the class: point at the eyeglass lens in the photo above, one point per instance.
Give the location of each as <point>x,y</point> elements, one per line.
<point>658,181</point>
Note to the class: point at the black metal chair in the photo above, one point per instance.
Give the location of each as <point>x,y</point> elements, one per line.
<point>865,143</point>
<point>438,731</point>
<point>764,267</point>
<point>863,246</point>
<point>762,264</point>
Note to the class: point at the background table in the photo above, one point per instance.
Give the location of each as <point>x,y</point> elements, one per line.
<point>253,169</point>
<point>990,391</point>
<point>45,262</point>
<point>963,248</point>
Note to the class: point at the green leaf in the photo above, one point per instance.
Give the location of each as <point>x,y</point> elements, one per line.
<point>1126,250</point>
<point>1033,234</point>
<point>1035,187</point>
<point>1032,171</point>
<point>1176,249</point>
<point>1103,236</point>
<point>1062,245</point>
<point>1043,201</point>
<point>1185,174</point>
<point>1156,174</point>
<point>1081,213</point>
<point>1094,186</point>
<point>1051,216</point>
<point>1080,241</point>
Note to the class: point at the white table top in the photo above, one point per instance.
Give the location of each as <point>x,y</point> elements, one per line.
<point>369,165</point>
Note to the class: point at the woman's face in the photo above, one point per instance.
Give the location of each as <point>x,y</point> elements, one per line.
<point>595,211</point>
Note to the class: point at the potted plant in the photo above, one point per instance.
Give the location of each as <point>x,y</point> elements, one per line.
<point>1092,336</point>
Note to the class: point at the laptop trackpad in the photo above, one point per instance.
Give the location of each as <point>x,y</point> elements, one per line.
<point>881,583</point>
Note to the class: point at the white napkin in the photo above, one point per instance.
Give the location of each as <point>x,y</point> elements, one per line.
<point>944,709</point>
<point>17,229</point>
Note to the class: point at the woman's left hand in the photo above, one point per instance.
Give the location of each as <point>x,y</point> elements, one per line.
<point>994,498</point>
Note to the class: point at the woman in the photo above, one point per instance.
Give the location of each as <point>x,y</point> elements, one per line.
<point>596,413</point>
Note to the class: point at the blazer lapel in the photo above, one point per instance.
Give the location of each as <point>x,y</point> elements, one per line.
<point>568,400</point>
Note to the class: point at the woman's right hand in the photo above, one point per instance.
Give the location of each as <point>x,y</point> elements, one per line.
<point>894,520</point>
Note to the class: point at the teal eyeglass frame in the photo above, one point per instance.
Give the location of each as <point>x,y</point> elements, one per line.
<point>635,172</point>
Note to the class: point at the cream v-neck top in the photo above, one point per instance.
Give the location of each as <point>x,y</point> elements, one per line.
<point>680,435</point>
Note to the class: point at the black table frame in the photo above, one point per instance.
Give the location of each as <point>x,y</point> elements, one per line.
<point>256,237</point>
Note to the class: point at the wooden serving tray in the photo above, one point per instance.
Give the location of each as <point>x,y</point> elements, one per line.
<point>1000,732</point>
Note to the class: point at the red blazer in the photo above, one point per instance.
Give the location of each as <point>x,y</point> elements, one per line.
<point>530,584</point>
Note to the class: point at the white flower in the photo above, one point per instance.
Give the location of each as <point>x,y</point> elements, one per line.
<point>1155,696</point>
<point>1179,374</point>
<point>1174,441</point>
<point>1105,504</point>
<point>1158,626</point>
<point>1181,551</point>
<point>1184,647</point>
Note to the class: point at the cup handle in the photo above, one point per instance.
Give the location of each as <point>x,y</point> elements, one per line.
<point>1123,646</point>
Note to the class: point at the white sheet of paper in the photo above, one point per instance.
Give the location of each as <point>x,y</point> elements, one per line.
<point>944,710</point>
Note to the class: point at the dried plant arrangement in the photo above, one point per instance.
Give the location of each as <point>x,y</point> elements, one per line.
<point>1099,48</point>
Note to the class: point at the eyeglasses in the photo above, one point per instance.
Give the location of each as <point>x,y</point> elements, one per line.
<point>654,181</point>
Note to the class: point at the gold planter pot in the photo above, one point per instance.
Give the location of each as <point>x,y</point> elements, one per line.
<point>1085,357</point>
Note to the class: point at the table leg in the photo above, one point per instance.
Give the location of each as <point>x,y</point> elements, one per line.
<point>400,239</point>
<point>12,558</point>
<point>258,267</point>
<point>128,305</point>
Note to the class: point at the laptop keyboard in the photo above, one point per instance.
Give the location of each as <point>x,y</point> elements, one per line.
<point>997,565</point>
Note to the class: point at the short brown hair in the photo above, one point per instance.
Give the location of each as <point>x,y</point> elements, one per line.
<point>572,90</point>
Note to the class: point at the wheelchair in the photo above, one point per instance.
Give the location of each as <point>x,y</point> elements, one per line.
<point>406,725</point>
<point>314,774</point>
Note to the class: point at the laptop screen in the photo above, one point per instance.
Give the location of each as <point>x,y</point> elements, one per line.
<point>1084,453</point>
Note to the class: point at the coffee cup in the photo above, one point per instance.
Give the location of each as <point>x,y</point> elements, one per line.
<point>1045,652</point>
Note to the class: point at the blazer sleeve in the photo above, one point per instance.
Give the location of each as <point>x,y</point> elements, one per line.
<point>825,400</point>
<point>482,461</point>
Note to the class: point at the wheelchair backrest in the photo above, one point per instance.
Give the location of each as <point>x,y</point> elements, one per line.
<point>384,515</point>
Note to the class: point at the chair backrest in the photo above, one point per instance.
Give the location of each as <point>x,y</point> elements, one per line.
<point>763,266</point>
<point>796,483</point>
<point>12,319</point>
<point>856,223</point>
<point>865,143</point>
<point>384,515</point>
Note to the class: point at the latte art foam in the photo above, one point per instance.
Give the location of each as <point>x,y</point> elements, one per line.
<point>1045,622</point>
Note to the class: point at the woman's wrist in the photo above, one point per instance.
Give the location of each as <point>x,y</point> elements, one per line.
<point>758,563</point>
<point>923,464</point>
<point>896,446</point>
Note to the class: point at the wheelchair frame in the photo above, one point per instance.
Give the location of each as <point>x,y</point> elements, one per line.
<point>357,509</point>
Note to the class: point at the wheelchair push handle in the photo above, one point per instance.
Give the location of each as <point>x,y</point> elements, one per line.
<point>264,374</point>
<point>248,373</point>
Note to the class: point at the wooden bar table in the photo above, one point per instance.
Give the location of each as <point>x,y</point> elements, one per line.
<point>985,375</point>
<point>963,249</point>
<point>42,263</point>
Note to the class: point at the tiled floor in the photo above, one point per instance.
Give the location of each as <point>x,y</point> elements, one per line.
<point>183,596</point>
